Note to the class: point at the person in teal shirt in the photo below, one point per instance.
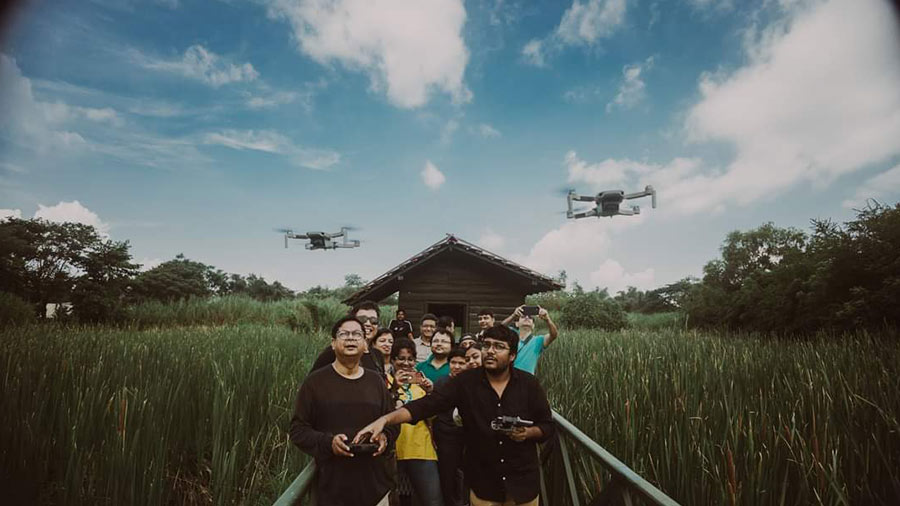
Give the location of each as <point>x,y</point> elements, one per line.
<point>531,346</point>
<point>437,365</point>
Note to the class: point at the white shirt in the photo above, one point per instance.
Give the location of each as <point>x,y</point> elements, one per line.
<point>423,351</point>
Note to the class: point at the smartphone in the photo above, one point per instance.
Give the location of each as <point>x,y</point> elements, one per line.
<point>531,310</point>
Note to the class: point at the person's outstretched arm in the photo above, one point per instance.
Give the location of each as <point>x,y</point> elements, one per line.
<point>554,331</point>
<point>515,314</point>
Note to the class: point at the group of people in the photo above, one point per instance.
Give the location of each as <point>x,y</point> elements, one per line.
<point>388,416</point>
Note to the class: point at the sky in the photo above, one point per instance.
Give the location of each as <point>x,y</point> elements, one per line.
<point>199,127</point>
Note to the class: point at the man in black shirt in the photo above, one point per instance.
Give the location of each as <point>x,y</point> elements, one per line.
<point>367,313</point>
<point>501,467</point>
<point>333,403</point>
<point>401,327</point>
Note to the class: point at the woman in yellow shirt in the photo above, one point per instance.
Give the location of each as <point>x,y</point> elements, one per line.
<point>416,456</point>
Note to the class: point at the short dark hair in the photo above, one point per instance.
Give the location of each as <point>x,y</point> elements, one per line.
<point>445,321</point>
<point>400,310</point>
<point>429,316</point>
<point>337,325</point>
<point>446,332</point>
<point>476,345</point>
<point>404,343</point>
<point>456,352</point>
<point>505,334</point>
<point>380,332</point>
<point>366,304</point>
<point>486,312</point>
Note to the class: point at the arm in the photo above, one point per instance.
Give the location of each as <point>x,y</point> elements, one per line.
<point>316,443</point>
<point>443,399</point>
<point>515,315</point>
<point>543,428</point>
<point>554,331</point>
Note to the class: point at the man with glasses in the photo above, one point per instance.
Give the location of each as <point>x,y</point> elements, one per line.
<point>423,342</point>
<point>501,467</point>
<point>531,346</point>
<point>332,404</point>
<point>367,314</point>
<point>437,365</point>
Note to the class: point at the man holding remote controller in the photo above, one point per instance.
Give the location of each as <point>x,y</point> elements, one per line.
<point>332,404</point>
<point>505,414</point>
<point>530,345</point>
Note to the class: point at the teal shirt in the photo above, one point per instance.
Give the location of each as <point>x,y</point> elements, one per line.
<point>529,352</point>
<point>431,372</point>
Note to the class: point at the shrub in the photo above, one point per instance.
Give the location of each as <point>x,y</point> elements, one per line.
<point>593,310</point>
<point>14,310</point>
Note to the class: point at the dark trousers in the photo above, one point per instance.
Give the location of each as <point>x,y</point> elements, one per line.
<point>450,449</point>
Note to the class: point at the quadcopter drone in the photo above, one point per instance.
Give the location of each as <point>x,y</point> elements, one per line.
<point>607,203</point>
<point>321,240</point>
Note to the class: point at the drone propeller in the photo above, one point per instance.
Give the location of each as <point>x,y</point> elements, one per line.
<point>563,191</point>
<point>284,230</point>
<point>351,228</point>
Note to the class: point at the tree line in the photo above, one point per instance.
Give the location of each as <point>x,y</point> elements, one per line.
<point>836,277</point>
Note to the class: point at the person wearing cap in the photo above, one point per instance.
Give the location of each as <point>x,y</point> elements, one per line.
<point>466,341</point>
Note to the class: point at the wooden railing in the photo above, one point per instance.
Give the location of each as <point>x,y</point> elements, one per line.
<point>561,483</point>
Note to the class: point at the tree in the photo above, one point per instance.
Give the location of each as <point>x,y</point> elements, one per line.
<point>43,262</point>
<point>176,279</point>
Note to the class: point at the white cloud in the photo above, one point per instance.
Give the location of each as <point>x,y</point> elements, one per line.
<point>201,64</point>
<point>487,131</point>
<point>632,90</point>
<point>31,123</point>
<point>533,53</point>
<point>582,249</point>
<point>432,177</point>
<point>72,212</point>
<point>884,185</point>
<point>491,241</point>
<point>269,141</point>
<point>611,275</point>
<point>408,49</point>
<point>10,213</point>
<point>818,99</point>
<point>271,100</point>
<point>450,128</point>
<point>583,24</point>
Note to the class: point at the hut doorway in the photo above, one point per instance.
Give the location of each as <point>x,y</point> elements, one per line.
<point>455,311</point>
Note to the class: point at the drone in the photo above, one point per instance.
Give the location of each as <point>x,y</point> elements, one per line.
<point>607,203</point>
<point>321,240</point>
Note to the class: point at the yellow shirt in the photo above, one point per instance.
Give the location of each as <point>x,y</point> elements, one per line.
<point>414,441</point>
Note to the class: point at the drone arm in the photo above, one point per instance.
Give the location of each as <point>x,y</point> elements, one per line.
<point>648,191</point>
<point>583,198</point>
<point>585,214</point>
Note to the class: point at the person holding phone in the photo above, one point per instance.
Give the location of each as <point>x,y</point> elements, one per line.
<point>416,454</point>
<point>332,404</point>
<point>531,346</point>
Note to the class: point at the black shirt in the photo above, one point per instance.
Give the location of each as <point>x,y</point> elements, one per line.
<point>328,404</point>
<point>494,464</point>
<point>401,328</point>
<point>373,360</point>
<point>443,422</point>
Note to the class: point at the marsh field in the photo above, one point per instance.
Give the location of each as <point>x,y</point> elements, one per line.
<point>198,414</point>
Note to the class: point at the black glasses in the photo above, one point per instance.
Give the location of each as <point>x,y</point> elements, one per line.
<point>369,319</point>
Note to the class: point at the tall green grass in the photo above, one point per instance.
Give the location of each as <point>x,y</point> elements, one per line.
<point>736,420</point>
<point>298,314</point>
<point>181,416</point>
<point>199,415</point>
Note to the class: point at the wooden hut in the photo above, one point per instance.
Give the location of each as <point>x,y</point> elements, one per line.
<point>455,278</point>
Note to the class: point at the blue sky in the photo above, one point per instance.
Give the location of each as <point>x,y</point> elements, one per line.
<point>198,127</point>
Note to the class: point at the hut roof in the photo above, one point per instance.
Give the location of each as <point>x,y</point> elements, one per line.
<point>389,282</point>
